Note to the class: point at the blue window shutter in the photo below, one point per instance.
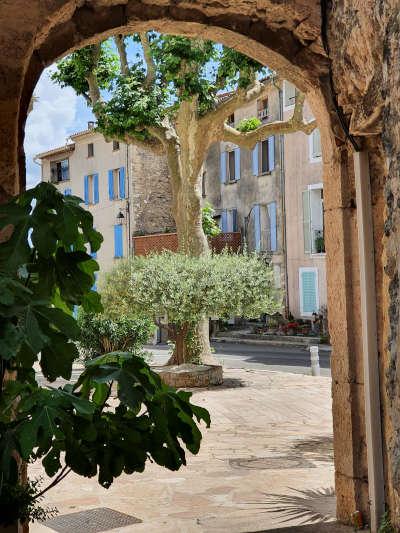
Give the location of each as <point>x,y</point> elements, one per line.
<point>95,188</point>
<point>224,221</point>
<point>75,312</point>
<point>309,291</point>
<point>122,182</point>
<point>271,153</point>
<point>110,185</point>
<point>86,189</point>
<point>94,286</point>
<point>272,226</point>
<point>222,170</point>
<point>234,220</point>
<point>237,163</point>
<point>93,255</point>
<point>255,159</point>
<point>257,227</point>
<point>67,192</point>
<point>118,247</point>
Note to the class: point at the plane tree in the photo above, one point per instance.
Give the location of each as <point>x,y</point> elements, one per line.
<point>174,96</point>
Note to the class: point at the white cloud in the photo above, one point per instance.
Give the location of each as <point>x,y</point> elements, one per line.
<point>50,122</point>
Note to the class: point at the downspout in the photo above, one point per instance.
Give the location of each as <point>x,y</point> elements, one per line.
<point>373,427</point>
<point>283,202</point>
<point>128,203</point>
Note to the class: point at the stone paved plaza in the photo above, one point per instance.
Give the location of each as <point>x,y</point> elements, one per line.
<point>269,447</point>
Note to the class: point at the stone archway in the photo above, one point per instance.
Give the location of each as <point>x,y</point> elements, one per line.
<point>317,46</point>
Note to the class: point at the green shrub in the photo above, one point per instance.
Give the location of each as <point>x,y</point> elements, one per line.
<point>101,334</point>
<point>248,124</point>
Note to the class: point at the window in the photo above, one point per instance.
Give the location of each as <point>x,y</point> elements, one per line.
<point>308,289</point>
<point>116,183</point>
<point>115,145</point>
<point>289,94</point>
<point>231,120</point>
<point>229,221</point>
<point>264,156</point>
<point>315,146</point>
<point>67,192</point>
<point>262,106</point>
<point>313,220</point>
<point>59,171</point>
<point>90,150</point>
<point>118,241</point>
<point>91,189</point>
<point>230,166</point>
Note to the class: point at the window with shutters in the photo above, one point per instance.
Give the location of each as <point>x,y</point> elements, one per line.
<point>308,290</point>
<point>59,171</point>
<point>231,166</point>
<point>231,120</point>
<point>116,183</point>
<point>262,109</point>
<point>115,145</point>
<point>313,219</point>
<point>90,150</point>
<point>315,146</point>
<point>289,94</point>
<point>91,189</point>
<point>266,154</point>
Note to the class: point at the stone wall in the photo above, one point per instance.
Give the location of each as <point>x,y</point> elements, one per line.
<point>151,194</point>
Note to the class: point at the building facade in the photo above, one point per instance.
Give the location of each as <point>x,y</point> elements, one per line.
<point>273,195</point>
<point>125,187</point>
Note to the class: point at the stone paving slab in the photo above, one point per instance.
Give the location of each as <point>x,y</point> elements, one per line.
<point>269,447</point>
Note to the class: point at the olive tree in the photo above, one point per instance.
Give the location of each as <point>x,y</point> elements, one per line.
<point>184,290</point>
<point>168,99</point>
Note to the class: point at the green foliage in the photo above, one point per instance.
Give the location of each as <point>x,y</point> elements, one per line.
<point>210,227</point>
<point>45,271</point>
<point>248,124</point>
<point>186,289</point>
<point>101,334</point>
<point>386,525</point>
<point>21,502</point>
<point>185,69</point>
<point>73,70</point>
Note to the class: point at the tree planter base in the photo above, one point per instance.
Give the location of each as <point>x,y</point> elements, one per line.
<point>189,375</point>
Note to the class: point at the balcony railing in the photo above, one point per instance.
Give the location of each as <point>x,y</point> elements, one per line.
<point>147,244</point>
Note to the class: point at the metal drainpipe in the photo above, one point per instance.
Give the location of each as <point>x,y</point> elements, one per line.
<point>128,203</point>
<point>369,339</point>
<point>283,203</point>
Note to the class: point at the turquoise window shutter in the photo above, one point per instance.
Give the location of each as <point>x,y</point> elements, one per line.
<point>118,246</point>
<point>94,286</point>
<point>257,227</point>
<point>122,182</point>
<point>255,159</point>
<point>67,192</point>
<point>224,221</point>
<point>309,291</point>
<point>222,170</point>
<point>110,185</point>
<point>86,189</point>
<point>272,226</point>
<point>237,163</point>
<point>95,188</point>
<point>271,153</point>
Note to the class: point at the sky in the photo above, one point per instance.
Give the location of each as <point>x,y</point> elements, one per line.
<point>57,114</point>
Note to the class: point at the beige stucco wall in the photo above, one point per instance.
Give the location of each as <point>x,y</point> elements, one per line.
<point>300,172</point>
<point>147,190</point>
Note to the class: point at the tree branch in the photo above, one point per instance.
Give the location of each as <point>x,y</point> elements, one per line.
<point>295,123</point>
<point>91,78</point>
<point>123,59</point>
<point>241,97</point>
<point>148,56</point>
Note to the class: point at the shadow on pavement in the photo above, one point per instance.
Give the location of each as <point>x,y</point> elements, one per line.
<point>332,527</point>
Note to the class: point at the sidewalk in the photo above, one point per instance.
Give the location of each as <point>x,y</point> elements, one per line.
<point>269,446</point>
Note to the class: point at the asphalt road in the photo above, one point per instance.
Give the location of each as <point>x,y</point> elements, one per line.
<point>255,356</point>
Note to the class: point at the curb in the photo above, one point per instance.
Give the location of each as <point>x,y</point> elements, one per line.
<point>262,342</point>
